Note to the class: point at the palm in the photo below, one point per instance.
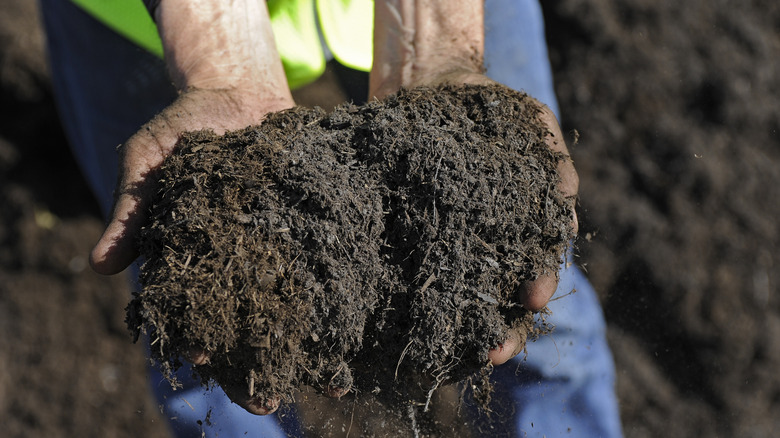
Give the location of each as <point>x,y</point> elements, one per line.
<point>196,109</point>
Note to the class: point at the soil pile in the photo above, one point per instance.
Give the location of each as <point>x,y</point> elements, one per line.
<point>378,246</point>
<point>676,104</point>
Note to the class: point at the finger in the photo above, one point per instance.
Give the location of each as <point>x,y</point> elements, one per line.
<point>569,185</point>
<point>340,382</point>
<point>116,248</point>
<point>260,406</point>
<point>570,181</point>
<point>502,352</point>
<point>257,404</point>
<point>197,356</point>
<point>534,295</point>
<point>142,153</point>
<point>506,350</point>
<point>575,223</point>
<point>336,391</point>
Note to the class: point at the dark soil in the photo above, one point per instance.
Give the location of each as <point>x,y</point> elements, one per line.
<point>394,234</point>
<point>676,106</point>
<point>679,156</point>
<point>66,368</point>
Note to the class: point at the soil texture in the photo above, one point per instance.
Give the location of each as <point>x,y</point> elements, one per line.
<point>679,158</point>
<point>379,247</point>
<point>676,107</point>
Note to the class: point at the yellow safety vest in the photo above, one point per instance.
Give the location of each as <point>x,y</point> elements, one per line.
<point>346,25</point>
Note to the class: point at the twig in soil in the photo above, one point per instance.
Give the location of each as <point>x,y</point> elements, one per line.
<point>410,410</point>
<point>351,419</point>
<point>401,359</point>
<point>547,203</point>
<point>188,403</point>
<point>441,377</point>
<point>572,291</point>
<point>435,178</point>
<point>427,283</point>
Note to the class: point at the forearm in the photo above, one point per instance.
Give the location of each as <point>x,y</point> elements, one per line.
<point>418,40</point>
<point>221,44</point>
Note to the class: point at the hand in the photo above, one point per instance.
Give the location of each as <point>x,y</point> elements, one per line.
<point>434,43</point>
<point>230,77</point>
<point>222,57</point>
<point>534,295</point>
<point>220,110</point>
<point>195,109</point>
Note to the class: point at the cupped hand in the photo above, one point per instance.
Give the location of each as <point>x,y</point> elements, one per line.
<point>533,295</point>
<point>218,109</point>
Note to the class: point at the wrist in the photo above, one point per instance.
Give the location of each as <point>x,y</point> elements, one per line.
<point>221,45</point>
<point>417,41</point>
<point>245,105</point>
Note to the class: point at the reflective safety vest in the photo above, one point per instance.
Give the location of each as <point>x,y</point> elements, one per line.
<point>346,25</point>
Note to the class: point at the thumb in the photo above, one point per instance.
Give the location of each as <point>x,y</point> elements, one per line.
<point>116,249</point>
<point>139,156</point>
<point>511,347</point>
<point>534,295</point>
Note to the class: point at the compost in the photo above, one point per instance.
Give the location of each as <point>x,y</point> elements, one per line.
<point>379,247</point>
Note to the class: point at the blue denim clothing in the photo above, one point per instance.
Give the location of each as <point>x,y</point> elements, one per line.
<point>565,385</point>
<point>106,88</point>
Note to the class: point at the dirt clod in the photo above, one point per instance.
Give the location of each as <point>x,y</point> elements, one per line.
<point>376,247</point>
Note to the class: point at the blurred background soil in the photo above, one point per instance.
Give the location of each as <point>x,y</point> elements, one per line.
<point>676,106</point>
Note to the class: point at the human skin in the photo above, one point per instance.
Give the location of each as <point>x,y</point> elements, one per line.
<point>420,42</point>
<point>228,77</point>
<point>222,57</point>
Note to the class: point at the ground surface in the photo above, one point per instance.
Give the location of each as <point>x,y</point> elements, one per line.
<point>676,107</point>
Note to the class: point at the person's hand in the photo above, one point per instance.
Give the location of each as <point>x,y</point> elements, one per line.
<point>533,295</point>
<point>223,59</point>
<point>442,43</point>
<point>217,109</point>
<point>220,110</point>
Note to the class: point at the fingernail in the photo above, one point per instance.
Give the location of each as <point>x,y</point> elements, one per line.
<point>197,356</point>
<point>337,391</point>
<point>264,407</point>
